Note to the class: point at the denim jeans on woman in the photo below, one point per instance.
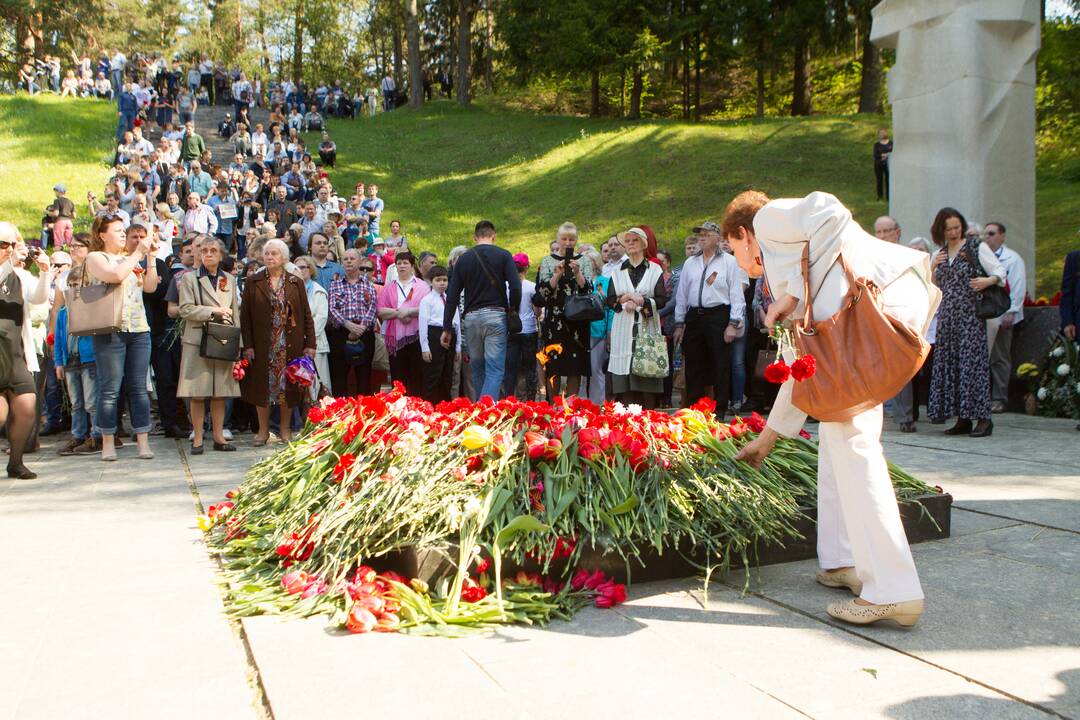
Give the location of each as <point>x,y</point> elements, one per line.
<point>122,358</point>
<point>82,389</point>
<point>485,338</point>
<point>521,361</point>
<point>738,369</point>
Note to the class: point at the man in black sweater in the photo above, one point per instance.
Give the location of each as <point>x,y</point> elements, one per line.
<point>489,279</point>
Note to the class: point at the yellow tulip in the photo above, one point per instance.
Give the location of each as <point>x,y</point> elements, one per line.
<point>476,437</point>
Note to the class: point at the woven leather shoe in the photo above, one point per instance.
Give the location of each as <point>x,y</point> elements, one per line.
<point>841,578</point>
<point>904,613</point>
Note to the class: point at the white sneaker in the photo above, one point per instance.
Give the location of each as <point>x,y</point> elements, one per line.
<point>227,434</point>
<point>191,435</point>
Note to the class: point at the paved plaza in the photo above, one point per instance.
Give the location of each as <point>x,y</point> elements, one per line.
<point>112,609</point>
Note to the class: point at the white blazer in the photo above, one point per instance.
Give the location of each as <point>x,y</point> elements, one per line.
<point>783,227</point>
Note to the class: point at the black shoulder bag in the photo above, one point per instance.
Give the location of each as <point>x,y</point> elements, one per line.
<point>220,341</point>
<point>513,319</point>
<point>994,301</point>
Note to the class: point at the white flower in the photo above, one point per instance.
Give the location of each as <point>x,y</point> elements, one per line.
<point>634,409</point>
<point>453,515</point>
<point>1057,352</point>
<point>619,408</point>
<point>472,507</point>
<point>1063,369</point>
<point>1043,393</point>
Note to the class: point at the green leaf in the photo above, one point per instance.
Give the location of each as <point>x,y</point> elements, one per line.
<point>520,524</point>
<point>625,506</point>
<point>872,672</point>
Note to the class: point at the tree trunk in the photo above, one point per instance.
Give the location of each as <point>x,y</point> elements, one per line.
<point>489,49</point>
<point>870,81</point>
<point>800,95</point>
<point>298,41</point>
<point>594,93</point>
<point>622,92</point>
<point>635,94</point>
<point>464,51</point>
<point>697,77</point>
<point>399,61</point>
<point>416,80</point>
<point>760,72</point>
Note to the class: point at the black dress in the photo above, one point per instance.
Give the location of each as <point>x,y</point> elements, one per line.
<point>573,360</point>
<point>19,381</point>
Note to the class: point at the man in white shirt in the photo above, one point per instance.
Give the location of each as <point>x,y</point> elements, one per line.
<point>260,143</point>
<point>999,331</point>
<point>141,145</point>
<point>613,256</point>
<point>709,311</point>
<point>117,65</point>
<point>388,88</point>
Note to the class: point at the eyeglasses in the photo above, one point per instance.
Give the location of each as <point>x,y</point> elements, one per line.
<point>4,244</point>
<point>991,233</point>
<point>366,268</point>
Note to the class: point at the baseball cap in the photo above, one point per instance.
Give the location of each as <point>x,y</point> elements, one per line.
<point>60,187</point>
<point>521,261</point>
<point>378,241</point>
<point>708,225</point>
<point>60,258</point>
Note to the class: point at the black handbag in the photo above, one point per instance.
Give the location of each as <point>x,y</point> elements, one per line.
<point>220,341</point>
<point>994,301</point>
<point>583,308</point>
<point>354,353</point>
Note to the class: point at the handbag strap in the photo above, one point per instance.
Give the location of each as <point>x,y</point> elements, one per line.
<point>808,301</point>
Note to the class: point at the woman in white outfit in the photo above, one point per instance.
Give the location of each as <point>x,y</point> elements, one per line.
<point>320,311</point>
<point>861,541</point>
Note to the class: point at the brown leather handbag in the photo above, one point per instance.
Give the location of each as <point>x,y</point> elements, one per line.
<point>864,355</point>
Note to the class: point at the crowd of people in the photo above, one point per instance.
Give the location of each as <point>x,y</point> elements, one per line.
<point>265,242</point>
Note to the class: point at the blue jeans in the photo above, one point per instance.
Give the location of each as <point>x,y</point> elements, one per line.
<point>82,387</point>
<point>122,358</point>
<point>54,396</point>
<point>521,359</point>
<point>485,338</point>
<point>738,368</point>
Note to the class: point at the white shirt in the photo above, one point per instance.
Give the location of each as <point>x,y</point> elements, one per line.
<point>201,220</point>
<point>611,266</point>
<point>388,84</point>
<point>526,310</point>
<point>206,67</point>
<point>259,143</point>
<point>708,285</point>
<point>118,61</point>
<point>432,306</point>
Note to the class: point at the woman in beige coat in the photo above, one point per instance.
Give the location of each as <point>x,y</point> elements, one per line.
<point>207,293</point>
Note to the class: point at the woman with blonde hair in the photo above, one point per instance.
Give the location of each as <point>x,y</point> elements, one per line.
<point>560,276</point>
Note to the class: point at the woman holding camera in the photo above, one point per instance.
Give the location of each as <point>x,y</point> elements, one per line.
<point>560,276</point>
<point>123,356</point>
<point>207,294</point>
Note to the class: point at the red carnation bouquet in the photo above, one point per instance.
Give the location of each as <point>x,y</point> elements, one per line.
<point>779,371</point>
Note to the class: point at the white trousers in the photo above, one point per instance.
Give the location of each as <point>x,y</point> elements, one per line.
<point>858,519</point>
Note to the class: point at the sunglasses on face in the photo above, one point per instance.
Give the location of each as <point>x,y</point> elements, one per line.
<point>4,245</point>
<point>366,268</point>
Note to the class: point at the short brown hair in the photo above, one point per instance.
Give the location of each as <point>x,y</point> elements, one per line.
<point>741,210</point>
<point>937,229</point>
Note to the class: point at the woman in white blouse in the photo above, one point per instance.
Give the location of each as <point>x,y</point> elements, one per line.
<point>319,303</point>
<point>861,541</point>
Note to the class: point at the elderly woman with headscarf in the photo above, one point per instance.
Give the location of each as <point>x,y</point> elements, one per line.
<point>861,541</point>
<point>636,293</point>
<point>277,327</point>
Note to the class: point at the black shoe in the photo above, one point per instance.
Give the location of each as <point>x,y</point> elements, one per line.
<point>962,427</point>
<point>984,428</point>
<point>907,427</point>
<point>196,450</point>
<point>224,447</point>
<point>20,472</point>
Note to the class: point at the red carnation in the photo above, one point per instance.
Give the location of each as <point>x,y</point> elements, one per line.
<point>803,368</point>
<point>778,372</point>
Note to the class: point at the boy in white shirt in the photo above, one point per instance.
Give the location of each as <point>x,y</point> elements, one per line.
<point>438,362</point>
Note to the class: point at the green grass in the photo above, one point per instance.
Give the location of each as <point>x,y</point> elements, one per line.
<point>444,168</point>
<point>45,140</point>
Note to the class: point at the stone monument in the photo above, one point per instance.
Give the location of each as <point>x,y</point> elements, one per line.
<point>963,107</point>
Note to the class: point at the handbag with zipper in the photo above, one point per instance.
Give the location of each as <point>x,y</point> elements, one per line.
<point>649,358</point>
<point>96,309</point>
<point>220,341</point>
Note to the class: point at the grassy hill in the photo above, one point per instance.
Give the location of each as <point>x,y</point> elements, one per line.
<point>444,168</point>
<point>45,140</point>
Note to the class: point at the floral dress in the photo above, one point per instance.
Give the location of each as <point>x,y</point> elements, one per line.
<point>574,338</point>
<point>960,380</point>
<point>278,355</point>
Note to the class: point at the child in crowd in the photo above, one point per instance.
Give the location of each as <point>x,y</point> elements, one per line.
<point>438,361</point>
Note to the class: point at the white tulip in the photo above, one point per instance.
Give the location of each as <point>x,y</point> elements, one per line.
<point>1063,369</point>
<point>1042,394</point>
<point>1057,352</point>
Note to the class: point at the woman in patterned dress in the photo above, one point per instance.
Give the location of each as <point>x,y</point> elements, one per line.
<point>960,384</point>
<point>555,281</point>
<point>277,327</point>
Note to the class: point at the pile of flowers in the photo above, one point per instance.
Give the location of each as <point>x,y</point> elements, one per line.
<point>1057,388</point>
<point>511,493</point>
